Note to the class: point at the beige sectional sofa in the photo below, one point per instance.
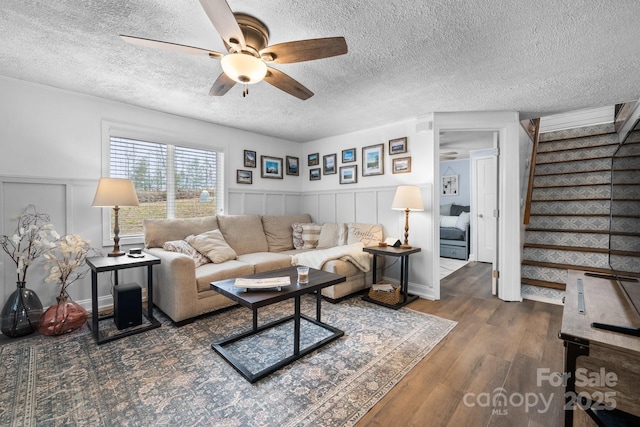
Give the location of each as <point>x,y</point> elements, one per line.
<point>240,245</point>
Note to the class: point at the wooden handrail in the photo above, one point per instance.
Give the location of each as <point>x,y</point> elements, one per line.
<point>532,166</point>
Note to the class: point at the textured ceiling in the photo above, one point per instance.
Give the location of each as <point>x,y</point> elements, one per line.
<point>406,58</point>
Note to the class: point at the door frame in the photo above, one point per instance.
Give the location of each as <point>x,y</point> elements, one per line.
<point>508,257</point>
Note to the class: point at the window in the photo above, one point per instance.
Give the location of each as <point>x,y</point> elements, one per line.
<point>172,181</point>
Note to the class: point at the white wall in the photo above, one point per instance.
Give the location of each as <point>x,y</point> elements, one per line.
<point>51,156</point>
<point>369,200</point>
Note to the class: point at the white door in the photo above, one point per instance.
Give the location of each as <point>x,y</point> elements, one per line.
<point>486,190</point>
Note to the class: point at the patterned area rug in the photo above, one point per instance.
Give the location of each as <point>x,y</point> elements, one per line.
<point>171,376</point>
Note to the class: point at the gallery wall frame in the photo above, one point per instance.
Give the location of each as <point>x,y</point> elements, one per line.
<point>401,165</point>
<point>293,165</point>
<point>249,159</point>
<point>244,177</point>
<point>313,159</point>
<point>314,174</point>
<point>349,155</point>
<point>349,174</point>
<point>398,146</point>
<point>271,167</point>
<point>373,160</point>
<point>329,164</point>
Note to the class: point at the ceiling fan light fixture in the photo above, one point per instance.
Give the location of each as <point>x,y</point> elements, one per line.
<point>244,68</point>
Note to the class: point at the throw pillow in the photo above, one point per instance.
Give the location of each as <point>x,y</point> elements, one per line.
<point>368,234</point>
<point>463,220</point>
<point>183,247</point>
<point>332,234</point>
<point>458,209</point>
<point>448,221</point>
<point>298,243</point>
<point>213,245</point>
<point>446,209</point>
<point>310,235</point>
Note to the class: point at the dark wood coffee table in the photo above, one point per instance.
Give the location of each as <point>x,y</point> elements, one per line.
<point>255,299</point>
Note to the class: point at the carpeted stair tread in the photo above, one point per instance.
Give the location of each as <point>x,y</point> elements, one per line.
<point>573,166</point>
<point>576,143</point>
<point>578,267</point>
<point>571,238</point>
<point>581,132</point>
<point>543,284</point>
<point>584,192</point>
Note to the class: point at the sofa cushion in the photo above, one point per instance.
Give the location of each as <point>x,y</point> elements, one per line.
<point>244,233</point>
<point>332,234</point>
<point>279,232</point>
<point>339,266</point>
<point>183,247</point>
<point>266,261</point>
<point>160,230</point>
<point>463,221</point>
<point>368,234</point>
<point>213,272</point>
<point>213,246</point>
<point>458,209</point>
<point>310,235</point>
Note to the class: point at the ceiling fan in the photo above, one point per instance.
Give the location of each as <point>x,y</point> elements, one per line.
<point>246,38</point>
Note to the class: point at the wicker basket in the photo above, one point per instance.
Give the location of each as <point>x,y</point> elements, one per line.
<point>391,298</point>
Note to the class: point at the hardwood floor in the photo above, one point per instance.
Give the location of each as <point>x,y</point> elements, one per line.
<point>495,345</point>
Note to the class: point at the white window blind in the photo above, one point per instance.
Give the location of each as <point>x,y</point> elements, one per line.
<point>171,181</point>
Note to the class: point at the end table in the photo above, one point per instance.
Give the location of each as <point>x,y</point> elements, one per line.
<point>105,264</point>
<point>403,253</point>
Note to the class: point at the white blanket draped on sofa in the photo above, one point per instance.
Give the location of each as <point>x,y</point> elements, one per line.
<point>316,259</point>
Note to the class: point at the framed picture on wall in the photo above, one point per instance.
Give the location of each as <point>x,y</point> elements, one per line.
<point>249,159</point>
<point>349,174</point>
<point>450,185</point>
<point>313,159</point>
<point>271,167</point>
<point>349,155</point>
<point>314,174</point>
<point>402,165</point>
<point>373,160</point>
<point>329,164</point>
<point>244,177</point>
<point>398,146</point>
<point>293,165</point>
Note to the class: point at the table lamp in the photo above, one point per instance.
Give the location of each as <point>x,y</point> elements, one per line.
<point>115,192</point>
<point>407,198</point>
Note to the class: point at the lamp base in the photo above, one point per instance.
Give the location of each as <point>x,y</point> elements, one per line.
<point>116,253</point>
<point>406,247</point>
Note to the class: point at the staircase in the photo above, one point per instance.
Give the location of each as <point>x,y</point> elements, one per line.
<point>572,225</point>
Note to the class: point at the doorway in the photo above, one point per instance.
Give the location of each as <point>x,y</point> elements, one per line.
<point>473,155</point>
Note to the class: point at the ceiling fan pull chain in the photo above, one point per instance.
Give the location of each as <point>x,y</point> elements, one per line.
<point>245,91</point>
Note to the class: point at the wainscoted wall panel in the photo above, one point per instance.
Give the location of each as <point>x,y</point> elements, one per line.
<point>374,206</point>
<point>263,203</point>
<point>68,204</point>
<point>327,206</point>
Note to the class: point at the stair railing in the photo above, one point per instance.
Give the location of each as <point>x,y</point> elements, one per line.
<point>532,166</point>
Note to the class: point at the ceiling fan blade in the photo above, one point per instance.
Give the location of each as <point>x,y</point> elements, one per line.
<point>222,85</point>
<point>304,50</point>
<point>284,82</point>
<point>171,47</point>
<point>221,16</point>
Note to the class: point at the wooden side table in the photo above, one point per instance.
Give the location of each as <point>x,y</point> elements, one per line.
<point>106,264</point>
<point>404,272</point>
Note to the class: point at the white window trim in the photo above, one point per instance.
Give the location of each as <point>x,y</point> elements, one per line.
<point>142,133</point>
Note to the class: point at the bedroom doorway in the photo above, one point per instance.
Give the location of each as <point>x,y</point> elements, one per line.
<point>476,166</point>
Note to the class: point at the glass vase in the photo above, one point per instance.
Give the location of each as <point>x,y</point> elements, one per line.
<point>63,317</point>
<point>21,313</point>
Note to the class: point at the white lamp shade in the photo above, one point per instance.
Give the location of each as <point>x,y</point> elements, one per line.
<point>407,197</point>
<point>243,68</point>
<point>115,192</point>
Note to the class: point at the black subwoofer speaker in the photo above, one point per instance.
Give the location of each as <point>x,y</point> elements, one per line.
<point>127,305</point>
